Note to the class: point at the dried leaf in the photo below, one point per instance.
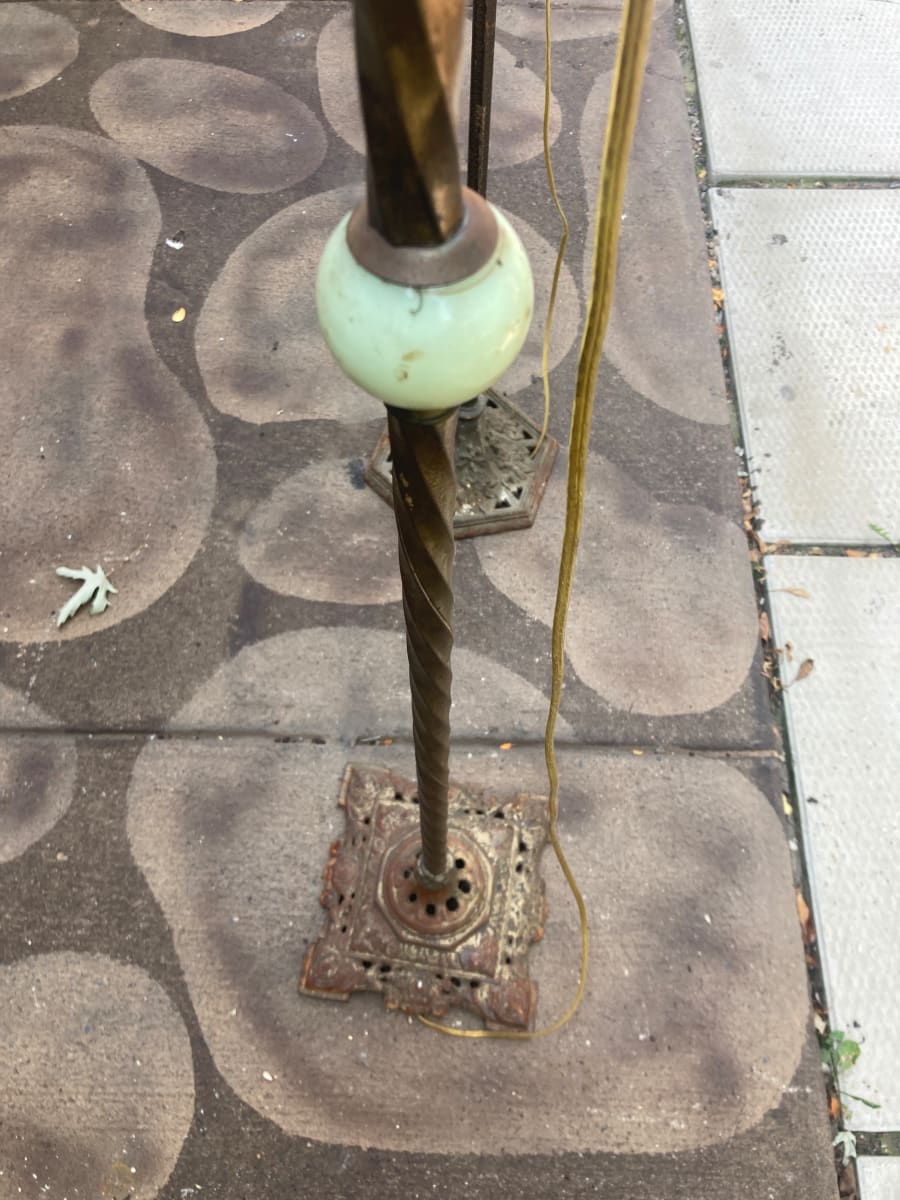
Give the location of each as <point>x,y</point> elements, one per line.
<point>786,804</point>
<point>794,591</point>
<point>834,1108</point>
<point>718,297</point>
<point>804,669</point>
<point>506,745</point>
<point>806,921</point>
<point>761,544</point>
<point>179,314</point>
<point>764,626</point>
<point>637,752</point>
<point>855,553</point>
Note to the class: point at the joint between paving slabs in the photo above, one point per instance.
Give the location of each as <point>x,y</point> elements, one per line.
<point>757,548</point>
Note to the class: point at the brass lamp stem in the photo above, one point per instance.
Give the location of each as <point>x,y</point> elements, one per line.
<point>408,58</point>
<point>422,449</point>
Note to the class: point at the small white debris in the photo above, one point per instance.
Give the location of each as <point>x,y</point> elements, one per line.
<point>267,1076</point>
<point>707,918</point>
<point>176,242</point>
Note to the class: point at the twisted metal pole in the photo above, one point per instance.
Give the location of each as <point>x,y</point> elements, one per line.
<point>422,448</point>
<point>408,54</point>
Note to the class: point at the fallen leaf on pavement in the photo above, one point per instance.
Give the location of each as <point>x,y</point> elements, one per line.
<point>804,669</point>
<point>855,553</point>
<point>794,591</point>
<point>764,626</point>
<point>806,922</point>
<point>718,297</point>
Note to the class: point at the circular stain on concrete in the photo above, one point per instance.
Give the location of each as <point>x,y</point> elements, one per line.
<point>696,1007</point>
<point>35,46</point>
<point>515,115</point>
<point>352,683</point>
<point>204,18</point>
<point>661,334</point>
<point>259,347</point>
<point>210,125</point>
<point>662,619</point>
<point>104,456</point>
<point>37,775</point>
<point>320,537</point>
<point>96,1078</point>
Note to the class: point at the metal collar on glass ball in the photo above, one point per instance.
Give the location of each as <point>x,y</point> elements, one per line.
<point>464,253</point>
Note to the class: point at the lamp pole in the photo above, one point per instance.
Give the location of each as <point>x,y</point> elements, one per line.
<point>425,297</point>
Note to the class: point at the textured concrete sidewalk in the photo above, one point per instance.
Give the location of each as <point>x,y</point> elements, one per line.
<point>800,105</point>
<point>169,769</point>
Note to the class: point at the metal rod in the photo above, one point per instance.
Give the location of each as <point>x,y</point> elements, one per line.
<point>484,32</point>
<point>422,450</point>
<point>407,57</point>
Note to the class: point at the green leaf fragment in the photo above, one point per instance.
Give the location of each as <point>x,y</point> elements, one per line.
<point>847,1142</point>
<point>94,583</point>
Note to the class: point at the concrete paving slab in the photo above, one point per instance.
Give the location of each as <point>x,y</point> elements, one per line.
<point>843,726</point>
<point>879,1178</point>
<point>130,857</point>
<point>225,528</point>
<point>190,871</point>
<point>810,280</point>
<point>807,88</point>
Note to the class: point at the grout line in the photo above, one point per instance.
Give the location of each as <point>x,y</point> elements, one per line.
<point>385,741</point>
<point>796,818</point>
<point>883,1144</point>
<point>806,183</point>
<point>783,549</point>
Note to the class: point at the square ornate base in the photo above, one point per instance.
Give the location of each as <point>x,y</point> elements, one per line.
<point>464,946</point>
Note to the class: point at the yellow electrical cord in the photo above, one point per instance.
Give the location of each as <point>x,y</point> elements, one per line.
<point>563,237</point>
<point>623,109</point>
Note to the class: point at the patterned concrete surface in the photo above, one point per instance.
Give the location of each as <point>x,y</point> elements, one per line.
<point>168,769</point>
<point>807,88</point>
<point>843,724</point>
<point>810,286</point>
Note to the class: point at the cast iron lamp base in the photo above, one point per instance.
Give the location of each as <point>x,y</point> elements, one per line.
<point>500,481</point>
<point>462,945</point>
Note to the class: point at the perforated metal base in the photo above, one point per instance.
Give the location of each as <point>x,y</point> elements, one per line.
<point>501,473</point>
<point>464,945</point>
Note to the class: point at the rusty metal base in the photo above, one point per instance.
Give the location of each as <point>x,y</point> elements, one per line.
<point>464,945</point>
<point>499,479</point>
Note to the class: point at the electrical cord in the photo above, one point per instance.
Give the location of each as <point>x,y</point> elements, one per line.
<point>623,108</point>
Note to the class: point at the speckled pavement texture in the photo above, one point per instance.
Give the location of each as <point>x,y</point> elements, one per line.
<point>169,768</point>
<point>799,110</point>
